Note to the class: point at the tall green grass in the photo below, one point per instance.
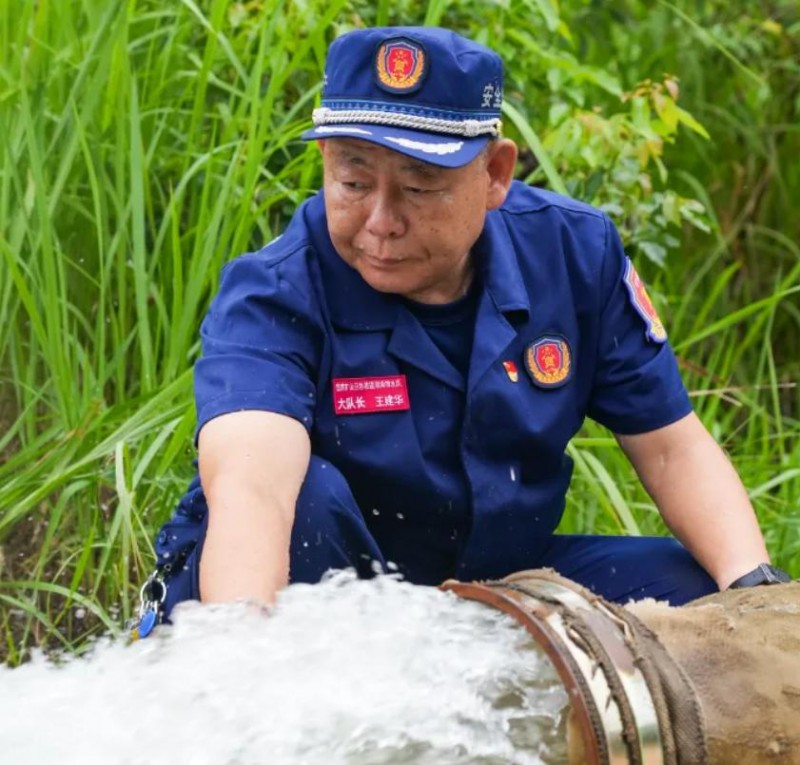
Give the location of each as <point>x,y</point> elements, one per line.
<point>145,144</point>
<point>141,151</point>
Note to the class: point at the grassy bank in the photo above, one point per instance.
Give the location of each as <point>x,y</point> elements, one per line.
<point>145,144</point>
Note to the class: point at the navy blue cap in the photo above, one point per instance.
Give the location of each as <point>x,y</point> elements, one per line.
<point>422,91</point>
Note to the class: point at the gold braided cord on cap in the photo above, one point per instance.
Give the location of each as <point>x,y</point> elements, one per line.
<point>467,128</point>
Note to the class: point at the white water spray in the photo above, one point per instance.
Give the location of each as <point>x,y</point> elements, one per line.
<point>346,672</point>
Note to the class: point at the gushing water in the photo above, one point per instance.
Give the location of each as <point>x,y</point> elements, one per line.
<point>345,672</point>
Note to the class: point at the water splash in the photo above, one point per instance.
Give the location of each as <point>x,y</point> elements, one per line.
<point>346,672</point>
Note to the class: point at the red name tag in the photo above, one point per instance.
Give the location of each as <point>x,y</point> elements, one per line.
<point>363,395</point>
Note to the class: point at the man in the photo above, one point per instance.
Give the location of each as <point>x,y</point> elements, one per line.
<point>391,384</point>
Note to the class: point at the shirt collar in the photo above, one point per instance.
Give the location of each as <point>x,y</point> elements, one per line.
<point>498,259</point>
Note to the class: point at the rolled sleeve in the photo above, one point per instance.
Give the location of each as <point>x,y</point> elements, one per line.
<point>637,386</point>
<point>260,344</point>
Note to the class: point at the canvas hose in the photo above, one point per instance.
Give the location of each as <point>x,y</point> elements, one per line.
<point>741,650</point>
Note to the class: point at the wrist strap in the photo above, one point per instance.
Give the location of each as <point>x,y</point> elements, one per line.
<point>764,573</point>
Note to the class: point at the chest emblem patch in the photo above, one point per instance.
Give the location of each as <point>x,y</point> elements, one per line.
<point>400,65</point>
<point>549,361</point>
<point>644,306</point>
<point>365,395</point>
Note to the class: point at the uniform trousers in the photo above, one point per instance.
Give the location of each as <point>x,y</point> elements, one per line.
<point>330,532</point>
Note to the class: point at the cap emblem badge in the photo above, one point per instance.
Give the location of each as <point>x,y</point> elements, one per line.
<point>549,361</point>
<point>643,305</point>
<point>400,65</point>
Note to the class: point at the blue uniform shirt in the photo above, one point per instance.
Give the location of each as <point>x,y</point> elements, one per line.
<point>471,478</point>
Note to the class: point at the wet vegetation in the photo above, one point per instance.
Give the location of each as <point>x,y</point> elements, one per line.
<point>144,144</point>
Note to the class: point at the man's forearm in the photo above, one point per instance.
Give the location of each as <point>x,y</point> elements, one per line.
<point>246,552</point>
<point>709,511</point>
<point>252,465</point>
<point>700,497</point>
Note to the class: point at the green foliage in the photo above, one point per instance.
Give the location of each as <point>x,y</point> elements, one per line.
<point>731,298</point>
<point>145,144</point>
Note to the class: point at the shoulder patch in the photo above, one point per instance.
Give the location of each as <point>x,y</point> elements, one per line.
<point>548,361</point>
<point>644,306</point>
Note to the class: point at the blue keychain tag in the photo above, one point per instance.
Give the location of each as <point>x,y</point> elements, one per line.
<point>145,626</point>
